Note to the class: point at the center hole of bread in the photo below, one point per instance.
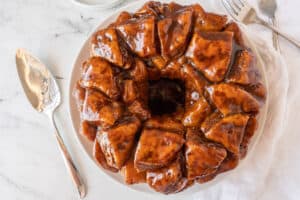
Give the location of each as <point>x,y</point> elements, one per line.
<point>165,95</point>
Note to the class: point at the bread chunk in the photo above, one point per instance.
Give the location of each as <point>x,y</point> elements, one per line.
<point>230,99</point>
<point>156,149</point>
<point>106,44</point>
<point>194,85</point>
<point>174,69</point>
<point>243,71</point>
<point>139,71</point>
<point>166,123</point>
<point>249,132</point>
<point>196,113</point>
<point>130,173</point>
<point>99,110</point>
<point>229,132</point>
<point>211,120</point>
<point>230,162</point>
<point>173,33</point>
<point>117,142</point>
<point>208,21</point>
<point>140,36</point>
<point>88,130</point>
<point>202,157</point>
<point>238,38</point>
<point>100,157</point>
<point>79,95</point>
<point>98,73</point>
<point>157,9</point>
<point>169,179</point>
<point>210,53</point>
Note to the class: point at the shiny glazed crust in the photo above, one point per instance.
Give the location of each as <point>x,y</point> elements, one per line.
<point>169,96</point>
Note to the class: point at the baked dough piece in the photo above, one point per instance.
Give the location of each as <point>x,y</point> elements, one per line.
<point>152,8</point>
<point>230,99</point>
<point>169,179</point>
<point>211,22</point>
<point>130,173</point>
<point>238,38</point>
<point>230,162</point>
<point>194,84</point>
<point>243,70</point>
<point>130,91</point>
<point>196,113</point>
<point>166,123</point>
<point>173,33</point>
<point>140,36</point>
<point>79,95</point>
<point>196,106</point>
<point>117,142</point>
<point>98,73</point>
<point>174,69</point>
<point>100,157</point>
<point>157,9</point>
<point>135,91</point>
<point>139,72</point>
<point>258,90</point>
<point>210,53</point>
<point>207,21</point>
<point>123,17</point>
<point>88,129</point>
<point>156,149</point>
<point>245,73</point>
<point>100,110</point>
<point>249,132</point>
<point>229,132</point>
<point>106,44</point>
<point>202,157</point>
<point>211,120</point>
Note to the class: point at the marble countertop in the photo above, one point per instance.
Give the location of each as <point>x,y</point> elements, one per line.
<point>30,164</point>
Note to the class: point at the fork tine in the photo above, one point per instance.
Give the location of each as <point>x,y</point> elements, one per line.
<point>226,5</point>
<point>243,2</point>
<point>230,8</point>
<point>236,5</point>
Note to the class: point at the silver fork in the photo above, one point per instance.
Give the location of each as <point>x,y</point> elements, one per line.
<point>242,11</point>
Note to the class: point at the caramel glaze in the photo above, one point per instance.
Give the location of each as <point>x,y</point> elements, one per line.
<point>169,96</point>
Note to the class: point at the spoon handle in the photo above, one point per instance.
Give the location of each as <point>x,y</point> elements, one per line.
<point>77,180</point>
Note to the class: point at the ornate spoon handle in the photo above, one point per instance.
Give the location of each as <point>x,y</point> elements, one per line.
<point>77,180</point>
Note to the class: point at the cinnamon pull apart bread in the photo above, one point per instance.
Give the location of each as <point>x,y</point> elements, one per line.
<point>169,96</point>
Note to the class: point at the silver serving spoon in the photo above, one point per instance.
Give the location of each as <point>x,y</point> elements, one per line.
<point>43,93</point>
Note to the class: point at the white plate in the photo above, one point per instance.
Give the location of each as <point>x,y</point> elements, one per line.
<point>84,54</point>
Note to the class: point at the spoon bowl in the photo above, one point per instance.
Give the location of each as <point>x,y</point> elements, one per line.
<point>38,83</point>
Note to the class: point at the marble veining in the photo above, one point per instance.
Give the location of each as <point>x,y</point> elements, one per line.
<point>22,188</point>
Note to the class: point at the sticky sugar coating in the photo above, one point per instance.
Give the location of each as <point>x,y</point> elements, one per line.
<point>169,96</point>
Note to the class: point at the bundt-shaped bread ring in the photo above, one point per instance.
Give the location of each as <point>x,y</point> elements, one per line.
<point>169,96</point>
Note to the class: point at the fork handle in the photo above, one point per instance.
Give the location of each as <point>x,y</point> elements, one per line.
<point>276,45</point>
<point>284,35</point>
